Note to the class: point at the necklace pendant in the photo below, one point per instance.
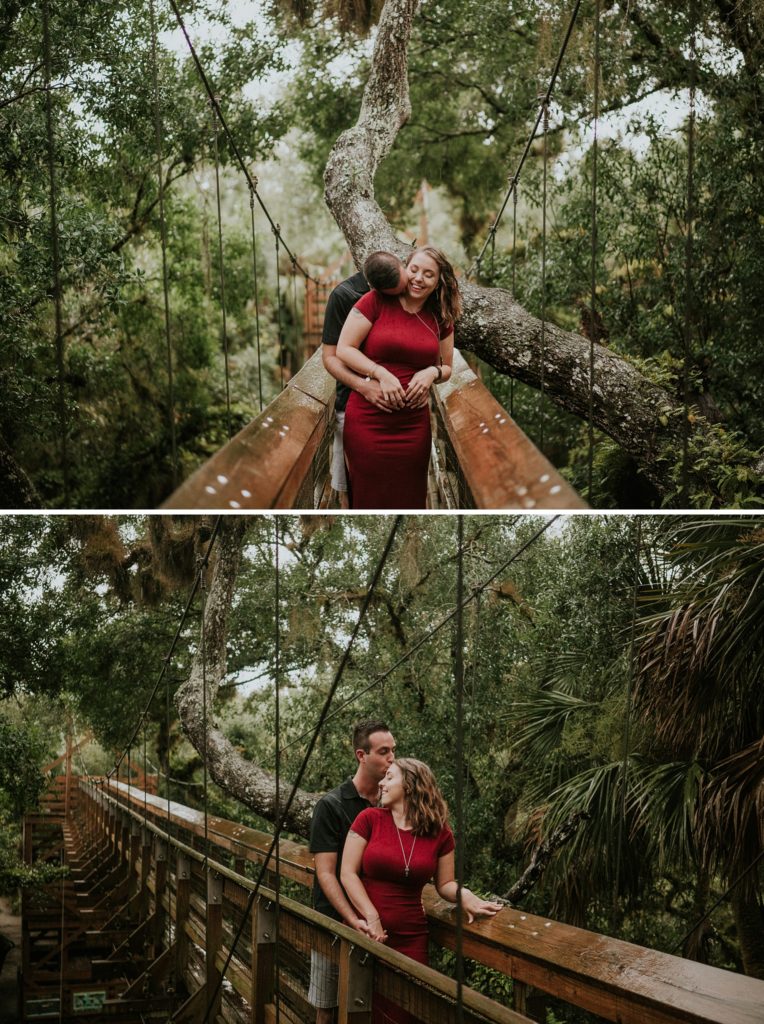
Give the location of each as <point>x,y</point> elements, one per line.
<point>407,872</point>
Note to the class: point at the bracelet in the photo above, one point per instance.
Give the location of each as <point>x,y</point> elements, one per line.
<point>440,374</point>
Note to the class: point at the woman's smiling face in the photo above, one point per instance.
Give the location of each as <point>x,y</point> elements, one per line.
<point>391,787</point>
<point>424,276</point>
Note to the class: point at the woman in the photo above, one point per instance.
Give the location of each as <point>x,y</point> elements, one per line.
<point>393,849</point>
<point>406,342</point>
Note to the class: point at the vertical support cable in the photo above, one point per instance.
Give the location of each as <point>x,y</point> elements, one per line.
<point>277,711</point>
<point>163,237</point>
<point>167,778</point>
<point>203,644</point>
<point>627,727</point>
<point>213,108</point>
<point>515,184</point>
<point>542,409</point>
<point>56,255</point>
<point>257,291</point>
<point>459,695</point>
<point>279,325</point>
<point>596,112</point>
<point>688,289</point>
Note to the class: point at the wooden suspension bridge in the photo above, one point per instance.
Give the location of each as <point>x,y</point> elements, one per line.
<point>141,929</point>
<point>480,458</point>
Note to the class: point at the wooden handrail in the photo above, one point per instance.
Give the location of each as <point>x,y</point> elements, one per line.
<point>617,980</point>
<point>269,463</point>
<point>280,459</point>
<point>495,463</point>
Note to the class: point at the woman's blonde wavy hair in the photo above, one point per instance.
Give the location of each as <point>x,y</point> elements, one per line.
<point>446,301</point>
<point>426,810</point>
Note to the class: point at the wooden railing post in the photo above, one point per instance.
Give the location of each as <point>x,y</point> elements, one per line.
<point>263,957</point>
<point>160,888</point>
<point>213,940</point>
<point>182,909</point>
<point>355,986</point>
<point>145,871</point>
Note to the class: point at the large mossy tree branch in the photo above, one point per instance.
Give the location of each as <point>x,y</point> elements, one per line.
<point>645,419</point>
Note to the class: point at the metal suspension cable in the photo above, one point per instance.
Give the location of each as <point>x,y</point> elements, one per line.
<point>721,899</point>
<point>235,149</point>
<point>168,656</point>
<point>688,254</point>
<point>529,142</point>
<point>284,812</point>
<point>627,726</point>
<point>542,396</point>
<point>222,273</point>
<point>429,634</point>
<point>277,724</point>
<point>459,752</point>
<point>257,295</point>
<point>596,114</point>
<point>163,238</point>
<point>55,253</point>
<point>279,324</point>
<point>203,642</point>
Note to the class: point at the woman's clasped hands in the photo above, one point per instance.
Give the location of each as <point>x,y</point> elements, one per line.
<point>375,930</point>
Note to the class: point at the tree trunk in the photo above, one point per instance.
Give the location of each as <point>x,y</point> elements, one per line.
<point>245,780</point>
<point>749,921</point>
<point>643,418</point>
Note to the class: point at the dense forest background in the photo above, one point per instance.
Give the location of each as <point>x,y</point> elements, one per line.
<point>91,424</point>
<point>613,668</point>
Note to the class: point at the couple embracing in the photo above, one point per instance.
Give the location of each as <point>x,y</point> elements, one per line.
<point>388,337</point>
<point>377,839</point>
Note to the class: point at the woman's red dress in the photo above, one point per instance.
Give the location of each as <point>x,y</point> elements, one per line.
<point>388,452</point>
<point>398,897</point>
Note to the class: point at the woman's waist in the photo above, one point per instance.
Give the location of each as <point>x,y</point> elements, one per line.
<point>394,892</point>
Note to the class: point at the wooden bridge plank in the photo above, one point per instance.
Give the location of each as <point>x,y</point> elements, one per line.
<point>501,466</point>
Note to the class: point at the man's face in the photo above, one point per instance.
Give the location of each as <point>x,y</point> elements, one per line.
<point>380,756</point>
<point>403,283</point>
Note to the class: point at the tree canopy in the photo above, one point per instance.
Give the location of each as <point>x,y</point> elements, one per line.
<point>612,671</point>
<point>289,78</point>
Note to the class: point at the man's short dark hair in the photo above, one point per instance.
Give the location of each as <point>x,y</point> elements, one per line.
<point>382,270</point>
<point>363,730</point>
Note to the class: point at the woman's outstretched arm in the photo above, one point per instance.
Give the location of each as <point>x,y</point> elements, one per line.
<point>445,883</point>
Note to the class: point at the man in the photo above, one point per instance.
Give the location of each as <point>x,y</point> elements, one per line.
<point>385,272</point>
<point>335,812</point>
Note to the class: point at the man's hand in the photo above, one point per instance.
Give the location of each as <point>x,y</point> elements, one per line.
<point>372,392</point>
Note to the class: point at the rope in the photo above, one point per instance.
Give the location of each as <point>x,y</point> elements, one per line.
<point>222,120</point>
<point>55,254</point>
<point>513,182</point>
<point>627,731</point>
<point>429,634</point>
<point>514,290</point>
<point>257,295</point>
<point>459,700</point>
<point>323,717</point>
<point>278,313</point>
<point>542,396</point>
<point>163,237</point>
<point>222,273</point>
<point>688,254</point>
<point>596,113</point>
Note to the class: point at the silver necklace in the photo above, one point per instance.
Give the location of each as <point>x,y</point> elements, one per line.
<point>432,332</point>
<point>406,860</point>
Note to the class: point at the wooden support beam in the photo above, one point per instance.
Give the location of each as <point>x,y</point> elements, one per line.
<point>263,957</point>
<point>355,986</point>
<point>152,977</point>
<point>213,940</point>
